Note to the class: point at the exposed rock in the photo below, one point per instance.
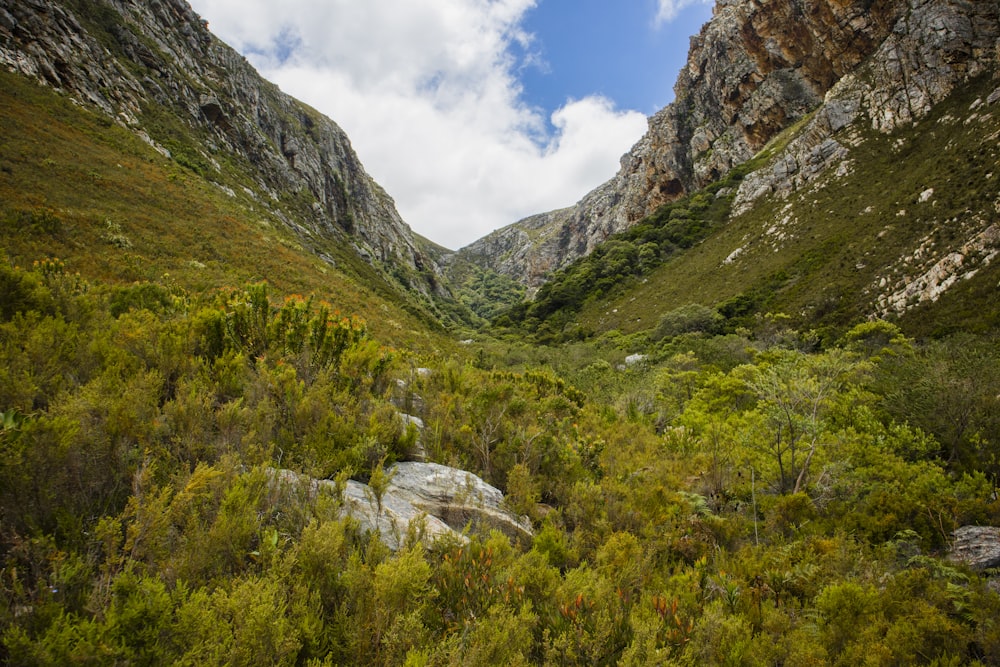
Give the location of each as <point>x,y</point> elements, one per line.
<point>419,452</point>
<point>935,272</point>
<point>934,46</point>
<point>212,109</point>
<point>456,497</point>
<point>754,70</point>
<point>633,359</point>
<point>423,501</point>
<point>410,419</point>
<point>126,56</point>
<point>394,518</point>
<point>976,546</point>
<point>534,247</point>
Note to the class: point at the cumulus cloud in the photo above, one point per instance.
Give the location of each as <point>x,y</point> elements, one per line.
<point>428,92</point>
<point>669,9</point>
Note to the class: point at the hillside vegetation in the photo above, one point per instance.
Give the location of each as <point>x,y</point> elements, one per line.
<point>727,501</point>
<point>76,186</point>
<point>722,463</point>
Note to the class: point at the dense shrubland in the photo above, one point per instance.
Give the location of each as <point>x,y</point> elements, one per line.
<point>731,498</point>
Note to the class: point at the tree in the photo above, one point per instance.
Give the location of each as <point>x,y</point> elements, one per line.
<point>794,393</point>
<point>690,318</point>
<point>950,389</point>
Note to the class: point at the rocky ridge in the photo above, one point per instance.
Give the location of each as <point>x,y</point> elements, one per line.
<point>754,70</point>
<point>135,59</point>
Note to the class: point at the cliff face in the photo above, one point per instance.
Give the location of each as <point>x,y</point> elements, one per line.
<point>754,70</point>
<point>142,60</point>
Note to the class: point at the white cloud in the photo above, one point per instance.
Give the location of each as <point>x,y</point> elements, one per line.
<point>669,9</point>
<point>427,92</point>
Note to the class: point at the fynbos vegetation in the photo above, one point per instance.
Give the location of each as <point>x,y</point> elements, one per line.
<point>724,454</point>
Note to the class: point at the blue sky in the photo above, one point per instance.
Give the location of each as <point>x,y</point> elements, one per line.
<point>614,49</point>
<point>473,113</point>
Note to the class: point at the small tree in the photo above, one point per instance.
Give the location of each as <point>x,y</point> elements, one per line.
<point>794,395</point>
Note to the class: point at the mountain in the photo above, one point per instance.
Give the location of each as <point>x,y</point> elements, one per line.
<point>824,70</point>
<point>899,226</point>
<point>235,424</point>
<point>154,67</point>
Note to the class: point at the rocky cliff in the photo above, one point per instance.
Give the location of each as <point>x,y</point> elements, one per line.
<point>757,68</point>
<point>154,66</point>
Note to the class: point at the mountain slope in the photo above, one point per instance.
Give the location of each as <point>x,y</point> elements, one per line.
<point>755,70</point>
<point>155,68</point>
<point>901,226</point>
<point>76,186</point>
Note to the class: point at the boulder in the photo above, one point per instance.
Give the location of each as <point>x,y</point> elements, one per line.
<point>633,359</point>
<point>393,518</point>
<point>423,500</point>
<point>977,547</point>
<point>457,497</point>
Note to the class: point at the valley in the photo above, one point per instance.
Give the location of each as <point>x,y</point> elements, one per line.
<point>750,419</point>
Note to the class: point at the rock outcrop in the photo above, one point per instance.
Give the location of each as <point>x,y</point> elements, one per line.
<point>140,61</point>
<point>754,70</point>
<point>976,546</point>
<point>456,497</point>
<point>425,500</point>
<point>934,46</point>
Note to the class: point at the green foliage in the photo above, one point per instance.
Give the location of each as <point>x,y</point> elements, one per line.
<point>715,503</point>
<point>692,318</point>
<point>87,190</point>
<point>823,253</point>
<point>949,388</point>
<point>484,292</point>
<point>624,257</point>
<point>19,294</point>
<point>767,496</point>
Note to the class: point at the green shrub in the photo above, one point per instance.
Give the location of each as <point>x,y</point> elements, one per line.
<point>692,318</point>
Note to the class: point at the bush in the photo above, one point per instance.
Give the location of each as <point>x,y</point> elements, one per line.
<point>692,318</point>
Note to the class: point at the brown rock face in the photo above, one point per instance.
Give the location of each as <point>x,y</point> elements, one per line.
<point>755,69</point>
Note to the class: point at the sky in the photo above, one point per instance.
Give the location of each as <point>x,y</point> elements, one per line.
<point>473,114</point>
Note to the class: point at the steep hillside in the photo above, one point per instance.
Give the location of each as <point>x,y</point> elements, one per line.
<point>77,186</point>
<point>900,226</point>
<point>903,226</point>
<point>755,70</point>
<point>155,68</point>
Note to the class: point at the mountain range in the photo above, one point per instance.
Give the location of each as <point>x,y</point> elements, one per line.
<point>792,95</point>
<point>739,406</point>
